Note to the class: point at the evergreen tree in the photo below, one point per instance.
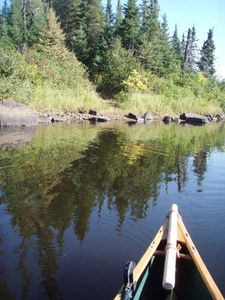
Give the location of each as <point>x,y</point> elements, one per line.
<point>94,29</point>
<point>119,19</point>
<point>144,13</point>
<point>120,62</point>
<point>207,58</point>
<point>182,47</point>
<point>152,21</point>
<point>190,53</point>
<point>16,24</point>
<point>144,20</point>
<point>4,18</point>
<point>52,38</point>
<point>109,13</point>
<point>155,53</point>
<point>169,62</point>
<point>176,46</point>
<point>25,21</point>
<point>79,45</point>
<point>109,18</point>
<point>130,26</point>
<point>69,12</point>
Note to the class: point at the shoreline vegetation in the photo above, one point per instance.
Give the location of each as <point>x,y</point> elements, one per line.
<point>127,63</point>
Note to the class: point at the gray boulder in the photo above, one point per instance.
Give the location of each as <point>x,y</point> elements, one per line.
<point>14,114</point>
<point>148,117</point>
<point>194,119</point>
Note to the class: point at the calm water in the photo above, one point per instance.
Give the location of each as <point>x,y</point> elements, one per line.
<point>77,202</point>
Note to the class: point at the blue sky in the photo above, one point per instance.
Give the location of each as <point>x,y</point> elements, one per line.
<point>204,14</point>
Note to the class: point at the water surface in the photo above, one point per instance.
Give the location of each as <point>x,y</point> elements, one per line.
<point>77,202</point>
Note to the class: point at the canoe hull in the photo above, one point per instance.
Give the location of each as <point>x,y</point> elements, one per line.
<point>193,280</point>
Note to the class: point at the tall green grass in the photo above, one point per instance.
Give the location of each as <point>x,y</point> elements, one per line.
<point>141,103</point>
<point>55,99</point>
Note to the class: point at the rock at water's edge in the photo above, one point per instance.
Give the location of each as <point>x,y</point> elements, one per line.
<point>14,114</point>
<point>133,116</point>
<point>194,119</point>
<point>148,116</point>
<point>168,119</point>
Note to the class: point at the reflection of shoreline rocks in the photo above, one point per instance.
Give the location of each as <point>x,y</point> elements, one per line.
<point>14,114</point>
<point>15,137</point>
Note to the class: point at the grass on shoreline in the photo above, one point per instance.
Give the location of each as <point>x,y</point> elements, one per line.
<point>48,99</point>
<point>141,103</point>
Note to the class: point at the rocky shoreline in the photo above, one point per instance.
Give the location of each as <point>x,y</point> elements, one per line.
<point>94,117</point>
<point>14,114</point>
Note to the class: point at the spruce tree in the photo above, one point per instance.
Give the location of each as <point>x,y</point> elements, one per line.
<point>182,46</point>
<point>16,24</point>
<point>145,7</point>
<point>118,19</point>
<point>155,53</point>
<point>79,45</point>
<point>207,58</point>
<point>94,28</point>
<point>144,20</point>
<point>25,22</point>
<point>69,12</point>
<point>109,18</point>
<point>52,38</point>
<point>169,63</point>
<point>130,26</point>
<point>4,19</point>
<point>190,53</point>
<point>153,21</point>
<point>120,62</point>
<point>176,46</point>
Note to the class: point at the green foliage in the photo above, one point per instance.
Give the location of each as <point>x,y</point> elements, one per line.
<point>207,59</point>
<point>119,19</point>
<point>119,65</point>
<point>26,18</point>
<point>45,78</point>
<point>136,82</point>
<point>52,39</point>
<point>95,35</point>
<point>190,52</point>
<point>176,46</point>
<point>130,26</point>
<point>108,28</point>
<point>69,12</point>
<point>192,93</point>
<point>94,28</point>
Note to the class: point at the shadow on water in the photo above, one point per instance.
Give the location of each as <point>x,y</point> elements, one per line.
<point>54,184</point>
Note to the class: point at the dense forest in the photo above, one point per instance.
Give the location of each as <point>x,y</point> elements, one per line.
<point>57,55</point>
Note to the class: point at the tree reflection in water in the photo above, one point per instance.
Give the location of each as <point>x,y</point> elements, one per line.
<point>53,183</point>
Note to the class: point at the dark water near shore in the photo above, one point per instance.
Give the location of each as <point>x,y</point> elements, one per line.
<point>76,202</point>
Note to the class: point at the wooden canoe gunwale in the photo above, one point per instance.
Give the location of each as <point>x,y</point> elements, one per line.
<point>206,277</point>
<point>183,237</point>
